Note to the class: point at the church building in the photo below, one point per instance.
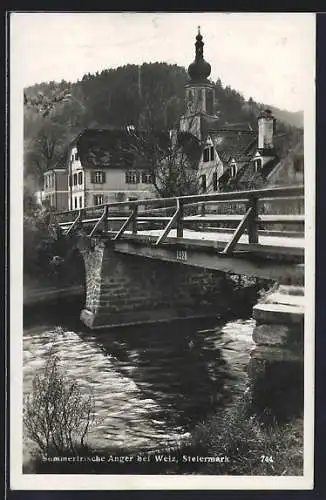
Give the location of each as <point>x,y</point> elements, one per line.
<point>234,156</point>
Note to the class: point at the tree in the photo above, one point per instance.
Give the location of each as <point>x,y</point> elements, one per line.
<point>171,159</point>
<point>43,103</point>
<point>46,150</point>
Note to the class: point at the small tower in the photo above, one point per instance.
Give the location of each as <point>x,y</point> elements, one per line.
<point>199,92</point>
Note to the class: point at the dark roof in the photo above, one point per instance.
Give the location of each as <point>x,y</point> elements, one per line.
<point>120,148</point>
<point>112,148</point>
<point>235,144</point>
<point>247,177</point>
<point>284,152</point>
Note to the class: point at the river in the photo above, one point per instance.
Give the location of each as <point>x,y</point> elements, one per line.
<point>151,384</point>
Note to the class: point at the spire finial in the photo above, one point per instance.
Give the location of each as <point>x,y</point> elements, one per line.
<point>199,69</point>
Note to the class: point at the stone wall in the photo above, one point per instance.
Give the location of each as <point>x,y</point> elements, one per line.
<point>276,370</point>
<point>125,289</point>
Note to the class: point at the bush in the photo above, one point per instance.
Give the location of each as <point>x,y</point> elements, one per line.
<point>57,415</point>
<point>43,241</point>
<point>253,447</point>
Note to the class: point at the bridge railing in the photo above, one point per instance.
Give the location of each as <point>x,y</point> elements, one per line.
<point>191,211</point>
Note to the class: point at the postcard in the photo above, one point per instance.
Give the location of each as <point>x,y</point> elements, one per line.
<point>162,265</point>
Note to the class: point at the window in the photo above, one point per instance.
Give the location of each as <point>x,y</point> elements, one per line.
<point>80,177</point>
<point>75,202</point>
<point>258,165</point>
<point>206,155</point>
<point>132,177</point>
<point>77,156</point>
<point>146,178</point>
<point>98,177</point>
<point>203,183</point>
<point>80,202</point>
<point>75,179</point>
<point>46,181</point>
<point>233,169</point>
<point>215,182</point>
<point>70,180</point>
<point>209,101</point>
<point>72,157</point>
<point>98,199</point>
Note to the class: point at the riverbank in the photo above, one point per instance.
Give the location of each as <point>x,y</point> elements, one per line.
<point>233,443</point>
<point>38,292</point>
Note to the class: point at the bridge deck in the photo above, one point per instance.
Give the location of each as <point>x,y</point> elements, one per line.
<point>189,234</point>
<point>272,258</point>
<point>177,238</point>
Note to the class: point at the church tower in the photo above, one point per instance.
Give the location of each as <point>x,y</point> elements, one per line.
<point>199,92</point>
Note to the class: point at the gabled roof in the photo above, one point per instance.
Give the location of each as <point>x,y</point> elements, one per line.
<point>120,148</point>
<point>247,177</point>
<point>237,144</point>
<point>112,148</point>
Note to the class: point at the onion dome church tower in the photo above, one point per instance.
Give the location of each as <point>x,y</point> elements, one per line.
<point>199,93</point>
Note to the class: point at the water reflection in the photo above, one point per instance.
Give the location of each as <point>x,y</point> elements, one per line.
<point>151,383</point>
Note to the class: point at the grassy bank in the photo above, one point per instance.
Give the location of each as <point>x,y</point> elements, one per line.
<point>254,445</point>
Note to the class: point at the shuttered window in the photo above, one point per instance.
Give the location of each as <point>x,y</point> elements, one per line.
<point>146,178</point>
<point>132,177</point>
<point>98,199</point>
<point>98,177</point>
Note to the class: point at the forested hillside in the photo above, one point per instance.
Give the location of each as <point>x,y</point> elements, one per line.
<point>150,96</point>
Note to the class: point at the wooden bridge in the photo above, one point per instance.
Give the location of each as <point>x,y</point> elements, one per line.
<point>242,232</point>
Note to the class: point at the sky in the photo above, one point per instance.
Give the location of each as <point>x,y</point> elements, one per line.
<point>267,56</point>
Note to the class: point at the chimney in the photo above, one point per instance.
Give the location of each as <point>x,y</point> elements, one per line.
<point>266,129</point>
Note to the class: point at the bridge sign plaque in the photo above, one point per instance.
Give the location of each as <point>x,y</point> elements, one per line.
<point>182,255</point>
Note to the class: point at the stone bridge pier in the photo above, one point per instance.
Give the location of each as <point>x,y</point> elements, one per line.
<point>276,366</point>
<point>125,289</point>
